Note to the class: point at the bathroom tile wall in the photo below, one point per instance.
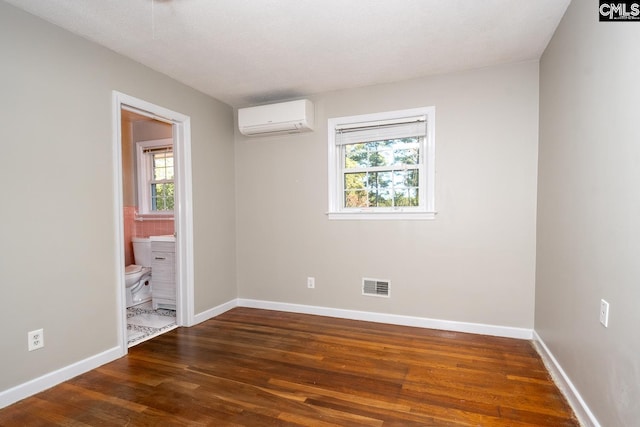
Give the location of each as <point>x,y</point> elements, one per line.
<point>158,227</point>
<point>133,228</point>
<point>129,232</point>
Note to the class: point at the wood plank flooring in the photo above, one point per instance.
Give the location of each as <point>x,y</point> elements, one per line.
<point>252,367</point>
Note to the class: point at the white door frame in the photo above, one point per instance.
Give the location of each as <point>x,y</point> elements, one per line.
<point>182,208</point>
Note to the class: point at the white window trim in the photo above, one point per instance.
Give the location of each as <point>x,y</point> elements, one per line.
<point>427,179</point>
<point>142,162</point>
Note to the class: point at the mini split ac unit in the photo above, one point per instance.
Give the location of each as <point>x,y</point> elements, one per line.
<point>276,119</point>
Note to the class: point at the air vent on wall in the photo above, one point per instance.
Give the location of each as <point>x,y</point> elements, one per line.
<point>376,287</point>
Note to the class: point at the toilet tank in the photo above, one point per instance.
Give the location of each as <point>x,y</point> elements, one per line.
<point>142,251</point>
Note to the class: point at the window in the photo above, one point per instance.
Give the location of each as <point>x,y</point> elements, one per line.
<point>381,166</point>
<point>155,177</point>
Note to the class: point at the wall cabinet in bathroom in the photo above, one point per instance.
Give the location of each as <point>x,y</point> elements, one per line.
<point>163,274</point>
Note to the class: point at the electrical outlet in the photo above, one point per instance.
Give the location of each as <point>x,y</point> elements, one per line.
<point>311,282</point>
<point>36,339</point>
<point>604,313</point>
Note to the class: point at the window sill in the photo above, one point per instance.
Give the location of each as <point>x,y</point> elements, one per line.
<point>362,215</point>
<point>154,217</point>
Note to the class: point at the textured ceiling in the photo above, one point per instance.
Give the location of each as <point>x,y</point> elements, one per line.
<point>247,52</point>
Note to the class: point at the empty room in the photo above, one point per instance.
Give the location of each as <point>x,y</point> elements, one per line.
<point>316,213</point>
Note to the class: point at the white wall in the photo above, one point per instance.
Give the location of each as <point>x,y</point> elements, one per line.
<point>589,209</point>
<point>474,263</point>
<point>57,224</point>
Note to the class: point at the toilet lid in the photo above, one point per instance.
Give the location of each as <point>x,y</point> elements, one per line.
<point>131,269</point>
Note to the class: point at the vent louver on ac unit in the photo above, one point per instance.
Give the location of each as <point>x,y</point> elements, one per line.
<point>376,287</point>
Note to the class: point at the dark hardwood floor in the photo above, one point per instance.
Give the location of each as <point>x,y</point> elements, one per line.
<point>252,367</point>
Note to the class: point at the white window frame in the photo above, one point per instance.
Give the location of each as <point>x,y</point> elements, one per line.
<point>144,173</point>
<point>426,209</point>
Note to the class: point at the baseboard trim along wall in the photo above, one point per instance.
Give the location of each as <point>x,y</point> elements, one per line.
<point>215,311</point>
<point>584,414</point>
<point>36,385</point>
<point>582,411</point>
<point>394,319</point>
<point>21,391</point>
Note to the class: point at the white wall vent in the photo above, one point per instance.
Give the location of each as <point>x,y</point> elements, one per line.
<point>276,119</point>
<point>376,287</point>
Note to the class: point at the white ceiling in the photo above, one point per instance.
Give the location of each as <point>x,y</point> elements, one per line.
<point>246,52</point>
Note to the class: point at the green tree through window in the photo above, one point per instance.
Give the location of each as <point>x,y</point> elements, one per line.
<point>382,173</point>
<point>382,165</point>
<point>155,176</point>
<point>162,185</point>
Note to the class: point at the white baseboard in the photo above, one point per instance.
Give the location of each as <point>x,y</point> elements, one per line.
<point>36,385</point>
<point>19,392</point>
<point>394,319</point>
<point>579,406</point>
<point>51,379</point>
<point>215,311</point>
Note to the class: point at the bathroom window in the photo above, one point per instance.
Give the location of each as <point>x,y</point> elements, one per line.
<point>381,166</point>
<point>156,185</point>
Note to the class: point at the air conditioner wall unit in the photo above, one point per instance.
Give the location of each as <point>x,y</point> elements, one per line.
<point>276,119</point>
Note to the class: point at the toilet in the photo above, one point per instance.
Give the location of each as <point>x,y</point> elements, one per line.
<point>137,277</point>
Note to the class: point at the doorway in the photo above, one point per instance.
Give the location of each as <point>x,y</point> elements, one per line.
<point>160,122</point>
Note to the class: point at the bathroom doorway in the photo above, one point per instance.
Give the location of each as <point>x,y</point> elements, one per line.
<point>152,176</point>
<point>148,187</point>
